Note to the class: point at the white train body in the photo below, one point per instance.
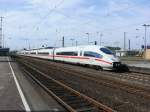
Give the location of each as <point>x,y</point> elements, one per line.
<point>88,55</point>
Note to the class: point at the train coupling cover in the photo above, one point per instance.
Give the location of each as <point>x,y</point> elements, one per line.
<point>118,66</point>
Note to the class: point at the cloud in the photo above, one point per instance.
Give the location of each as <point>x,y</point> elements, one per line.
<point>37,19</point>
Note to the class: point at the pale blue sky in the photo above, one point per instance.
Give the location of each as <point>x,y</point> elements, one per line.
<point>46,21</point>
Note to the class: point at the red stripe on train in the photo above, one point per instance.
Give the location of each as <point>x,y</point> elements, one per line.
<point>78,57</point>
<point>103,61</point>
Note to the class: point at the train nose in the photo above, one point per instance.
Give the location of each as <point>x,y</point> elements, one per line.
<point>115,59</point>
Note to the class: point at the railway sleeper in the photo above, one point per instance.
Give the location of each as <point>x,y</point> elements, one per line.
<point>53,85</point>
<point>71,99</point>
<point>61,91</point>
<point>56,88</point>
<point>90,109</point>
<point>81,101</point>
<point>81,106</point>
<point>64,95</point>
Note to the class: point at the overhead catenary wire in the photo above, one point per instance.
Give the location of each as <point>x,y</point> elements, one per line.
<point>46,15</point>
<point>90,22</point>
<point>87,23</point>
<point>36,26</point>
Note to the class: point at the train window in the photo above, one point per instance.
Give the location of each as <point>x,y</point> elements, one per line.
<point>43,53</point>
<point>107,51</point>
<point>67,53</point>
<point>33,53</point>
<point>92,54</point>
<point>58,53</point>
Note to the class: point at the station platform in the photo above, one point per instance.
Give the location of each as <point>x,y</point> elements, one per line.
<point>133,62</point>
<point>10,99</point>
<point>18,92</point>
<point>141,65</point>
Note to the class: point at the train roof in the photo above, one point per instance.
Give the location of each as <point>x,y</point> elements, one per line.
<point>68,48</point>
<point>85,47</point>
<point>82,46</point>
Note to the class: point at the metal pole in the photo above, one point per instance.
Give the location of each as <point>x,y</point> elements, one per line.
<point>145,39</point>
<point>88,37</point>
<point>95,42</point>
<point>1,32</point>
<point>76,43</point>
<point>63,41</point>
<point>129,45</point>
<point>72,41</point>
<point>98,37</point>
<point>124,41</point>
<point>29,45</point>
<point>101,39</point>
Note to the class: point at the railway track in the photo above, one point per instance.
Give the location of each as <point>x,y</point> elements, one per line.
<point>90,76</point>
<point>137,75</point>
<point>71,99</point>
<point>134,77</point>
<point>145,71</point>
<point>111,79</point>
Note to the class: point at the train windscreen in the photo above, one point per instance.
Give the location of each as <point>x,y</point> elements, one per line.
<point>107,51</point>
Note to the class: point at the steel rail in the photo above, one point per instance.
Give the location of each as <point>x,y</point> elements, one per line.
<point>123,84</point>
<point>90,101</point>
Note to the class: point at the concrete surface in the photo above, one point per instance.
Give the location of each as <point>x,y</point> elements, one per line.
<point>37,98</point>
<point>136,62</point>
<point>9,95</point>
<point>11,100</point>
<point>142,65</point>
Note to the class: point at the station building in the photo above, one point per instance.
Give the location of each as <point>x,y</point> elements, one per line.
<point>147,54</point>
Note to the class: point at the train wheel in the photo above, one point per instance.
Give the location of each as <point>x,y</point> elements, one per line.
<point>98,68</point>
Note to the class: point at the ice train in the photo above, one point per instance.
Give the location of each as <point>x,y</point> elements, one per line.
<point>99,57</point>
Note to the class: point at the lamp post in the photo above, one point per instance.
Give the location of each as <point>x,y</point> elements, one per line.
<point>145,38</point>
<point>125,41</point>
<point>76,43</point>
<point>72,40</point>
<point>100,39</point>
<point>88,37</point>
<point>27,42</point>
<point>136,37</point>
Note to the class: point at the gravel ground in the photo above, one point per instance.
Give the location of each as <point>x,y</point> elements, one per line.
<point>116,98</point>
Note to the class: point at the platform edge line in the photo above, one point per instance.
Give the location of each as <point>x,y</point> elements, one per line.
<point>24,101</point>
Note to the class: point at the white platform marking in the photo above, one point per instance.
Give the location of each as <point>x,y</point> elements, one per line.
<point>27,108</point>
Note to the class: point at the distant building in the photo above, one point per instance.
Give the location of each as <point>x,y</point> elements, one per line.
<point>147,54</point>
<point>120,53</point>
<point>4,51</point>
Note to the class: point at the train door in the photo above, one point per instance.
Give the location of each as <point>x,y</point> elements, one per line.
<point>53,54</point>
<point>90,57</point>
<point>81,56</point>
